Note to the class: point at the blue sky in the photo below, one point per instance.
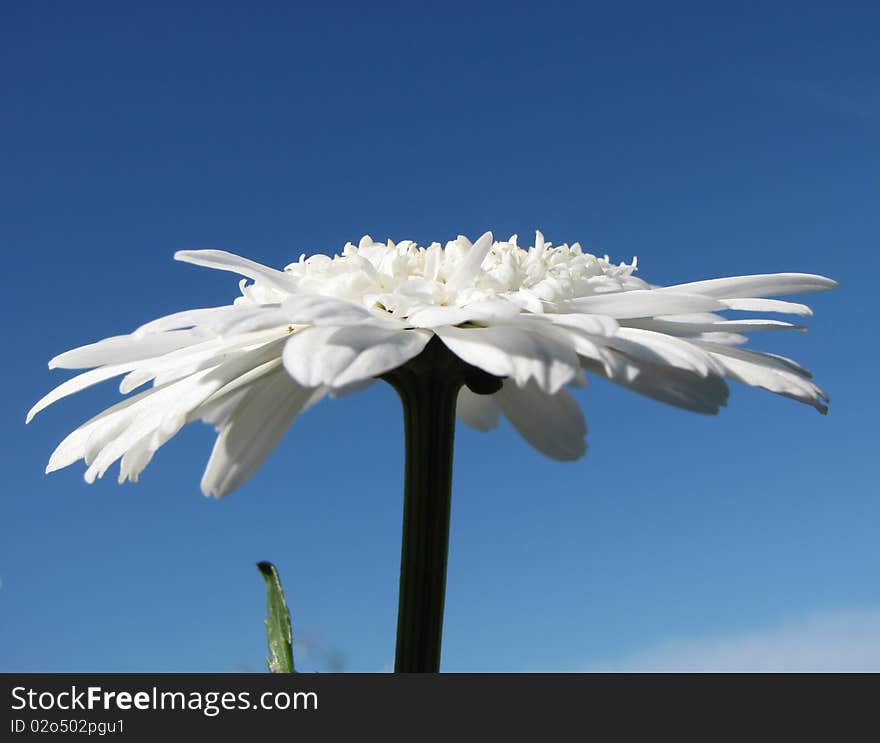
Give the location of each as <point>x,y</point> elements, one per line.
<point>708,140</point>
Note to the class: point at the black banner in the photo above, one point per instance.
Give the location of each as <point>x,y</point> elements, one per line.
<point>144,706</point>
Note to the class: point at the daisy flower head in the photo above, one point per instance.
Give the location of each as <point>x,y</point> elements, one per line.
<point>530,320</point>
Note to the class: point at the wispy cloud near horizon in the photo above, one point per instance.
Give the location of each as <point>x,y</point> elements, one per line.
<point>828,641</point>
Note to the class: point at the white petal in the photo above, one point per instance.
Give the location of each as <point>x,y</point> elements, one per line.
<point>672,326</point>
<point>337,357</point>
<point>768,371</point>
<point>484,312</point>
<point>123,348</point>
<point>553,424</point>
<point>73,447</point>
<point>350,389</point>
<point>91,437</point>
<point>205,317</point>
<point>787,363</point>
<point>161,420</point>
<point>757,285</point>
<point>224,261</point>
<point>513,351</point>
<point>766,359</point>
<point>677,387</point>
<point>584,334</point>
<point>80,382</point>
<point>178,364</point>
<point>592,324</point>
<point>253,431</point>
<point>131,428</point>
<point>261,318</point>
<point>477,411</point>
<point>643,303</point>
<point>664,349</point>
<point>469,266</point>
<point>216,413</point>
<point>727,339</point>
<point>525,299</point>
<point>318,309</point>
<point>135,461</point>
<point>433,262</point>
<point>539,242</point>
<point>768,305</point>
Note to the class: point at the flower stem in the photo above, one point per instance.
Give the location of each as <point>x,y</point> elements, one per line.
<point>428,387</point>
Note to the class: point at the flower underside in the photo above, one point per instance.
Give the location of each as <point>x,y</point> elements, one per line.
<point>538,318</point>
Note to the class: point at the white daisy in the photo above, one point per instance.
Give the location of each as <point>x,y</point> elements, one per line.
<point>536,318</point>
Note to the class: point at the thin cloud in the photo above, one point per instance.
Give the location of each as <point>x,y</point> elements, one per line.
<point>842,641</point>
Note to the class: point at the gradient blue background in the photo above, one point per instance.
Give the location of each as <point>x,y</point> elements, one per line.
<point>707,139</point>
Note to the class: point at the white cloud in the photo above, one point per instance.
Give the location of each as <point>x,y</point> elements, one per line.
<point>844,641</point>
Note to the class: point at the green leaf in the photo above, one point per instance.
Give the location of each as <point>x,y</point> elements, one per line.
<point>278,632</point>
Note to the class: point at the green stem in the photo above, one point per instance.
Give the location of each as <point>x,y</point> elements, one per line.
<point>428,387</point>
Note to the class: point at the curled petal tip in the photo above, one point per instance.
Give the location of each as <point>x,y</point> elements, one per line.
<point>814,281</point>
<point>55,463</point>
<point>209,490</point>
<point>188,256</point>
